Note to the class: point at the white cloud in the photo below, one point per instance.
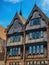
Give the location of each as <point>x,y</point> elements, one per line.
<point>45,5</point>
<point>13,1</point>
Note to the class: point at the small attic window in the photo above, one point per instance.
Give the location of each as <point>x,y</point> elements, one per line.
<point>35,22</point>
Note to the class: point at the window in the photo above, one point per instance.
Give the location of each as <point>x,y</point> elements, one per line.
<point>14,63</point>
<point>11,52</point>
<point>29,63</point>
<point>36,34</point>
<point>16,38</point>
<point>19,49</point>
<point>41,49</point>
<point>11,39</point>
<point>31,23</point>
<point>15,51</point>
<point>42,34</point>
<point>30,49</point>
<point>30,35</point>
<point>38,49</point>
<point>35,22</point>
<point>34,49</point>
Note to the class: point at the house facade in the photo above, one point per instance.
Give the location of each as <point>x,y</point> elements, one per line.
<point>2,45</point>
<point>28,40</point>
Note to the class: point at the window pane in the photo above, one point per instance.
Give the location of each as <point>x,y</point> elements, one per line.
<point>36,35</point>
<point>34,49</point>
<point>30,50</point>
<point>17,38</point>
<point>19,51</point>
<point>41,49</point>
<point>41,34</point>
<point>11,52</point>
<point>38,49</point>
<point>30,35</point>
<point>36,22</point>
<point>31,22</point>
<point>16,51</point>
<point>11,39</point>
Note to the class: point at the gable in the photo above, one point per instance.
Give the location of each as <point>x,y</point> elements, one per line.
<point>37,13</point>
<point>16,27</point>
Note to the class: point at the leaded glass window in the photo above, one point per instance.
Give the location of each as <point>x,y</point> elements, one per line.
<point>16,38</point>
<point>35,22</point>
<point>15,51</point>
<point>36,34</point>
<point>37,49</point>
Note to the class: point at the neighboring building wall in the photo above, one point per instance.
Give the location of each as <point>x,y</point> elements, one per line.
<point>2,45</point>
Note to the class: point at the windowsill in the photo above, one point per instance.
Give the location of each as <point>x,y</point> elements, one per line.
<point>35,54</point>
<point>14,55</point>
<point>35,25</point>
<point>14,42</point>
<point>35,38</point>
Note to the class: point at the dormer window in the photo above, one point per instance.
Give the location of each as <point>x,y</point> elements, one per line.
<point>35,22</point>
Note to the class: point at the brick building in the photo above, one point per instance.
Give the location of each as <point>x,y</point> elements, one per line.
<point>28,40</point>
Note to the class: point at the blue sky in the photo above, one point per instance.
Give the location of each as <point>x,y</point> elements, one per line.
<point>8,8</point>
